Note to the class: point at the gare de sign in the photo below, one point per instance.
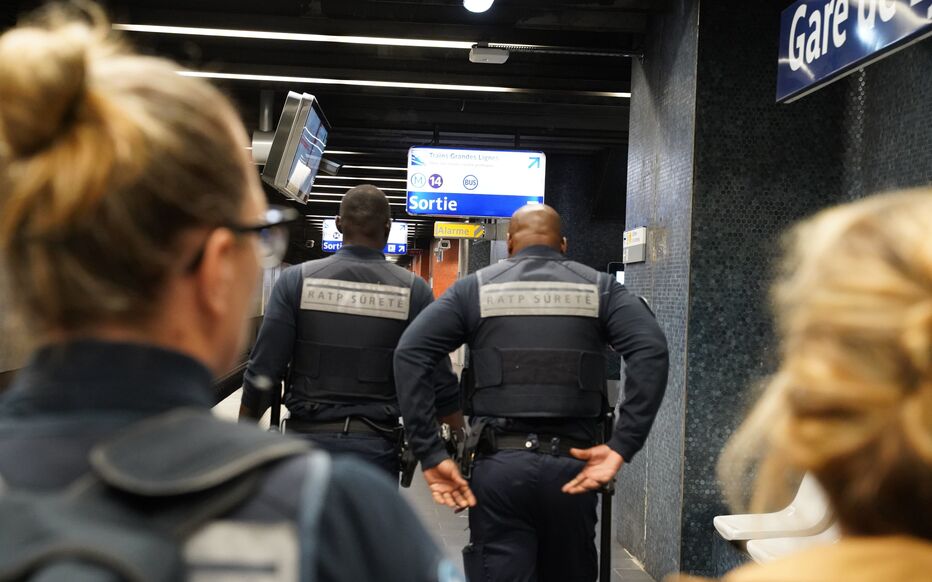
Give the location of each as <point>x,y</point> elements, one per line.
<point>824,40</point>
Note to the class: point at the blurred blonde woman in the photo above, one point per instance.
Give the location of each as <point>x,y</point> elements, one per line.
<point>852,400</point>
<point>132,229</point>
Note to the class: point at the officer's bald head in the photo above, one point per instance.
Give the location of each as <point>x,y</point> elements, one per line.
<point>535,224</point>
<point>365,217</point>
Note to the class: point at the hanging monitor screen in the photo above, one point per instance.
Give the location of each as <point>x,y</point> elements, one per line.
<point>332,239</point>
<point>473,183</point>
<point>297,147</point>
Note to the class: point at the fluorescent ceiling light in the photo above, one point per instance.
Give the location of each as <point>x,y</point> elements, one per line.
<point>390,84</point>
<point>328,216</point>
<point>344,153</point>
<point>363,178</point>
<point>338,200</point>
<point>317,192</point>
<point>344,189</point>
<point>477,5</point>
<point>394,169</point>
<point>294,36</point>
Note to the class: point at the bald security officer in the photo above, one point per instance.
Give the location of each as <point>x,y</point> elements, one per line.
<point>537,326</point>
<point>336,321</point>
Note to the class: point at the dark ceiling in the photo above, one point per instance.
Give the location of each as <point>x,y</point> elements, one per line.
<point>561,108</point>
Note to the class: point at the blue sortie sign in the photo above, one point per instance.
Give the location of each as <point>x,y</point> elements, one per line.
<point>822,40</point>
<point>478,183</point>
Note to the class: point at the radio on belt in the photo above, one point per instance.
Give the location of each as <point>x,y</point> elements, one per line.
<point>635,246</point>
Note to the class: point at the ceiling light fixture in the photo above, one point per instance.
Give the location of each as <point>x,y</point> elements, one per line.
<point>338,200</point>
<point>293,36</point>
<point>363,178</point>
<point>393,169</point>
<point>477,6</point>
<point>344,189</point>
<point>393,84</point>
<point>488,56</point>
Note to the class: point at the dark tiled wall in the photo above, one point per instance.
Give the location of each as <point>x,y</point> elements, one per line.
<point>760,166</point>
<point>479,255</point>
<point>751,168</point>
<point>571,187</point>
<point>660,179</point>
<point>887,137</point>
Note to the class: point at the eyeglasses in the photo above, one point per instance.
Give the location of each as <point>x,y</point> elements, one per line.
<point>272,235</point>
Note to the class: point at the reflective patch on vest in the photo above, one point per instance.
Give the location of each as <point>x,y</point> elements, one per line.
<point>538,298</point>
<point>369,299</point>
<point>239,550</point>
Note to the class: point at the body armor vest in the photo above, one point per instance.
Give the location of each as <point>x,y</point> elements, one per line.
<point>539,348</point>
<point>351,315</point>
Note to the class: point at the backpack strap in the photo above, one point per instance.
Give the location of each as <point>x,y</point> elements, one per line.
<point>150,487</point>
<point>185,451</point>
<point>313,494</point>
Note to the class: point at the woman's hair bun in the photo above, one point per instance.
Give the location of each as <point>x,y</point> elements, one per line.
<point>43,83</point>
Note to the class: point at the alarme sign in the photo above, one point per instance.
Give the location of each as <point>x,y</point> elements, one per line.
<point>823,40</point>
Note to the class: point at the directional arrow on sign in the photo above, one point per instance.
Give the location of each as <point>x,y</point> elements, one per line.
<point>535,162</point>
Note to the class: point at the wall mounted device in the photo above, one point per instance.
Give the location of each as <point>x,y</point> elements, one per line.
<point>297,147</point>
<point>330,167</point>
<point>490,56</point>
<point>635,246</point>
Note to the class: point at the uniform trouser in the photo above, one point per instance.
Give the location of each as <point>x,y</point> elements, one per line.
<point>377,450</point>
<point>523,528</point>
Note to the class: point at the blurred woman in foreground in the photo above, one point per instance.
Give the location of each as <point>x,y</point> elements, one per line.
<point>852,400</point>
<point>133,228</point>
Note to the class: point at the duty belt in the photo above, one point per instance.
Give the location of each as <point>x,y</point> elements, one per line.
<point>350,425</point>
<point>547,444</point>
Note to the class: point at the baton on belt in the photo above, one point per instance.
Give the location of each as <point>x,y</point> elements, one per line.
<point>605,520</point>
<point>275,402</point>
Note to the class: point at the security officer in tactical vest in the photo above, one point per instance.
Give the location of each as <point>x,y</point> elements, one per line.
<point>336,321</point>
<point>537,326</point>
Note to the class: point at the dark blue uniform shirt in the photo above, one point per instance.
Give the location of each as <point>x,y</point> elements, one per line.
<point>275,346</point>
<point>628,326</point>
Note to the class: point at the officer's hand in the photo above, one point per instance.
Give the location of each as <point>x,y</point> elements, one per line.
<point>602,463</point>
<point>448,487</point>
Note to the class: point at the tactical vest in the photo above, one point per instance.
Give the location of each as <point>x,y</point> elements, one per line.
<point>539,348</point>
<point>352,314</point>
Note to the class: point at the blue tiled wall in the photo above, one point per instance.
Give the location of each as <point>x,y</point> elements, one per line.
<point>571,186</point>
<point>760,166</point>
<point>660,180</point>
<point>717,171</point>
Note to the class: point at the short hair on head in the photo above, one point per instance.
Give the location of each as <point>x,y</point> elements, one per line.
<point>364,210</point>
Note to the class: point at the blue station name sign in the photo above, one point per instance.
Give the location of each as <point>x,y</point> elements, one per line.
<point>823,40</point>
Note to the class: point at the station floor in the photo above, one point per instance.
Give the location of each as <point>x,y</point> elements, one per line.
<point>450,528</point>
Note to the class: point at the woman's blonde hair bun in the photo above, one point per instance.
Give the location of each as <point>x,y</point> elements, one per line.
<point>106,158</point>
<point>43,81</point>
